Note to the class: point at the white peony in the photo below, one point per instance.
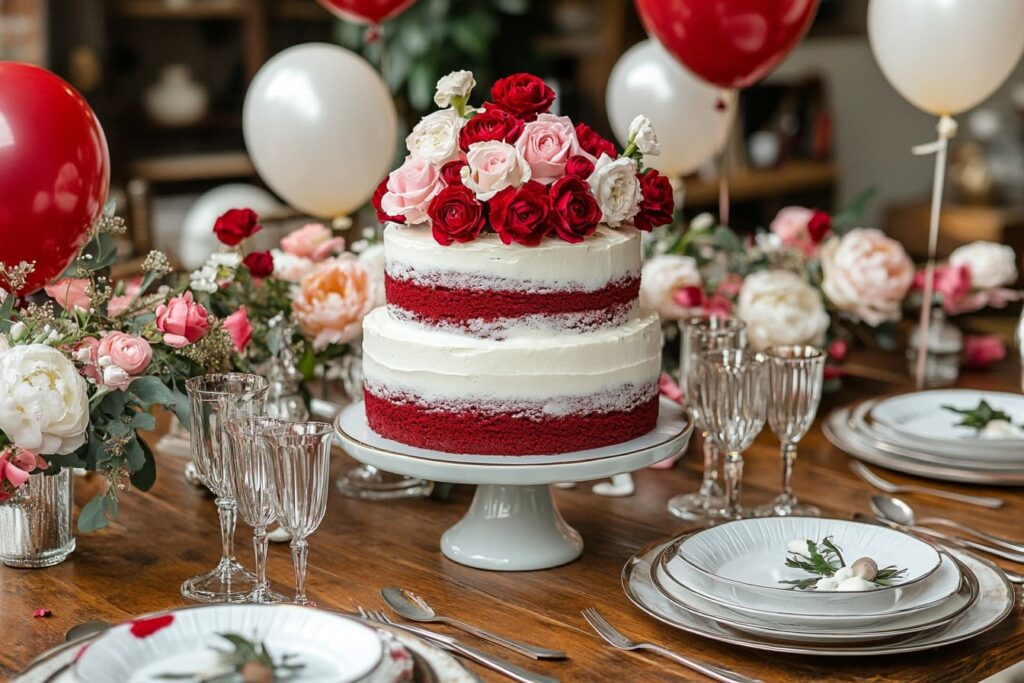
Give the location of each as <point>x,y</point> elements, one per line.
<point>661,278</point>
<point>44,406</point>
<point>780,307</point>
<point>641,132</point>
<point>436,137</point>
<point>991,264</point>
<point>492,166</point>
<point>616,188</point>
<point>457,84</point>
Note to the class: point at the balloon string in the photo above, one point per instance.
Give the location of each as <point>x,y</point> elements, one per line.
<point>723,182</point>
<point>946,130</point>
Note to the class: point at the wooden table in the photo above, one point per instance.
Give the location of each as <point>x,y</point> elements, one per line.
<point>171,533</point>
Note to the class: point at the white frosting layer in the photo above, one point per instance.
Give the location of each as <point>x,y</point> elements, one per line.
<point>487,263</point>
<point>439,366</point>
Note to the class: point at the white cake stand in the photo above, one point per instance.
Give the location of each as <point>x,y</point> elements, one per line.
<point>513,524</point>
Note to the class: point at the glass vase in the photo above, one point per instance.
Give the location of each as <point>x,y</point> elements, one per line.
<point>35,523</point>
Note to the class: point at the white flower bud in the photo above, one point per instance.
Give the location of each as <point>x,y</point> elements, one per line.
<point>702,221</point>
<point>18,331</point>
<point>641,133</point>
<point>457,84</point>
<point>104,361</point>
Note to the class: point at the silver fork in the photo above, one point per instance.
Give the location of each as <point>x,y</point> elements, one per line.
<point>516,673</point>
<point>870,477</point>
<point>615,638</point>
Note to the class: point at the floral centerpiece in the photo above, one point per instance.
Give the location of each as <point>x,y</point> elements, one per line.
<point>512,167</point>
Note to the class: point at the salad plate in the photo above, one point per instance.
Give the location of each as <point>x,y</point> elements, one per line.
<point>318,646</point>
<point>745,562</point>
<point>921,413</point>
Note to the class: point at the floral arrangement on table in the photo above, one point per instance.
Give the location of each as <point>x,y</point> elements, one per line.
<point>512,167</point>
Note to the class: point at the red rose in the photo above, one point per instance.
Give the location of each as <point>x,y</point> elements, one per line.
<point>819,226</point>
<point>259,263</point>
<point>235,225</point>
<point>451,173</point>
<point>377,195</point>
<point>455,215</point>
<point>579,166</point>
<point>493,124</point>
<point>522,95</point>
<point>594,144</point>
<point>658,206</point>
<point>575,212</point>
<point>522,215</point>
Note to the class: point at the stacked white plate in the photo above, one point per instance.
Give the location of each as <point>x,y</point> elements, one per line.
<point>724,582</point>
<point>915,434</point>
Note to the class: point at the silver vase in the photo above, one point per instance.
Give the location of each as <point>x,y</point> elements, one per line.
<point>35,523</point>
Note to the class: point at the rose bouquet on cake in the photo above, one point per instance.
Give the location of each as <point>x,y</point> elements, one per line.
<point>513,167</point>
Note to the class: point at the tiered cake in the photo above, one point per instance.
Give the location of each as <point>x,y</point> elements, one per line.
<point>495,349</point>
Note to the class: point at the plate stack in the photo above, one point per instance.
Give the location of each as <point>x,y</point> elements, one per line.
<point>914,433</point>
<point>725,583</point>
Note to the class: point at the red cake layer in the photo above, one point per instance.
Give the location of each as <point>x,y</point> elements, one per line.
<point>441,304</point>
<point>473,430</point>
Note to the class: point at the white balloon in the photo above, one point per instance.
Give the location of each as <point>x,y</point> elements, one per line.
<point>321,128</point>
<point>686,112</point>
<point>197,238</point>
<point>945,56</point>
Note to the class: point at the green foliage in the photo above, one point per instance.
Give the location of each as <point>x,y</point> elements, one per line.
<point>851,214</point>
<point>977,418</point>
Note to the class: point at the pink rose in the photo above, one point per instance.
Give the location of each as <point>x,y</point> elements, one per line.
<point>238,327</point>
<point>997,297</point>
<point>866,275</point>
<point>790,224</point>
<point>70,293</point>
<point>86,352</point>
<point>182,321</point>
<point>547,144</point>
<point>982,350</point>
<point>492,166</point>
<point>128,352</point>
<point>952,283</point>
<point>411,186</point>
<point>717,304</point>
<point>313,241</point>
<point>15,466</point>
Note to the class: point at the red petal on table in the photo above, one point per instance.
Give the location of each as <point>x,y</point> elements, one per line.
<point>143,628</point>
<point>41,612</point>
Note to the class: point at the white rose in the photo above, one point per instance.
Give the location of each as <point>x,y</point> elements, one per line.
<point>492,166</point>
<point>456,84</point>
<point>373,258</point>
<point>617,189</point>
<point>660,279</point>
<point>641,132</point>
<point>436,137</point>
<point>44,406</point>
<point>991,264</point>
<point>866,274</point>
<point>780,307</point>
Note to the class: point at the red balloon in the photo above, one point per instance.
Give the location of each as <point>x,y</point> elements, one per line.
<point>367,11</point>
<point>54,171</point>
<point>731,43</point>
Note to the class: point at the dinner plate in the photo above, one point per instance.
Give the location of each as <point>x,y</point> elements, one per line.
<point>995,603</point>
<point>331,648</point>
<point>744,562</point>
<point>839,433</point>
<point>921,413</point>
<point>943,585</point>
<point>781,626</point>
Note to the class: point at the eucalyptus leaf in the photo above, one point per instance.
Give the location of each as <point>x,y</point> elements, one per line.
<point>91,517</point>
<point>144,478</point>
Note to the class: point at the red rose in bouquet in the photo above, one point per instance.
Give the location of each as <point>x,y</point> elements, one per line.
<point>522,215</point>
<point>575,212</point>
<point>377,195</point>
<point>236,225</point>
<point>594,144</point>
<point>455,215</point>
<point>259,263</point>
<point>819,226</point>
<point>493,124</point>
<point>658,205</point>
<point>579,166</point>
<point>451,173</point>
<point>522,95</point>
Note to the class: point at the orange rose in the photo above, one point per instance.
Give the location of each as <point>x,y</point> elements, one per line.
<point>332,301</point>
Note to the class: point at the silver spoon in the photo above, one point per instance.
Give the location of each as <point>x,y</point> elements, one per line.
<point>949,538</point>
<point>899,511</point>
<point>414,608</point>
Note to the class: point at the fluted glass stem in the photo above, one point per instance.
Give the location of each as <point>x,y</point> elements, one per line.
<point>259,547</point>
<point>300,550</point>
<point>709,484</point>
<point>788,451</point>
<point>228,513</point>
<point>733,483</point>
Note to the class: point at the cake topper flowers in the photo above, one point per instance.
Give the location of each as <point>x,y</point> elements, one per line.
<point>513,167</point>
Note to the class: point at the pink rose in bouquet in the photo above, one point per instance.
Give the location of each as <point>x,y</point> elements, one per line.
<point>801,228</point>
<point>15,467</point>
<point>952,283</point>
<point>182,321</point>
<point>313,241</point>
<point>866,275</point>
<point>70,293</point>
<point>239,328</point>
<point>410,188</point>
<point>547,144</point>
<point>982,350</point>
<point>333,300</point>
<point>492,166</point>
<point>118,351</point>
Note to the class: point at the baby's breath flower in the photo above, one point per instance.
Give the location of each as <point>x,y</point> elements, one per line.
<point>156,263</point>
<point>13,277</point>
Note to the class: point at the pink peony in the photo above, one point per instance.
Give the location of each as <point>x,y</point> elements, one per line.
<point>182,321</point>
<point>128,352</point>
<point>238,327</point>
<point>332,301</point>
<point>981,351</point>
<point>547,144</point>
<point>410,188</point>
<point>866,275</point>
<point>313,241</point>
<point>70,293</point>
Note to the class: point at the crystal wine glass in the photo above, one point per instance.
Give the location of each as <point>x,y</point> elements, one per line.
<point>733,403</point>
<point>700,335</point>
<point>215,399</point>
<point>300,459</point>
<point>795,374</point>
<point>253,483</point>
